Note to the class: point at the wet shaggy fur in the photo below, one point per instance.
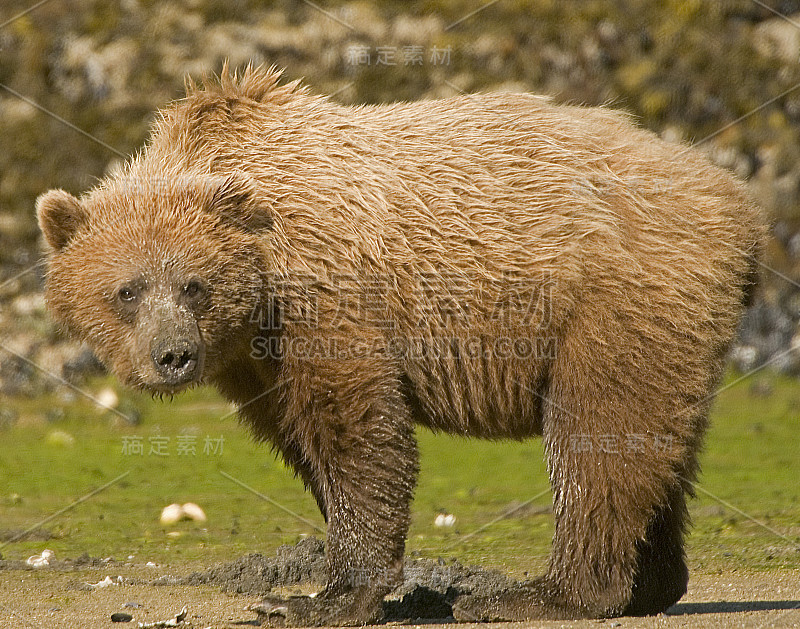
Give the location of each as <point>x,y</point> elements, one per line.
<point>489,265</point>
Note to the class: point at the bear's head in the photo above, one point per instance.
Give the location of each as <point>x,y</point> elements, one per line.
<point>161,277</point>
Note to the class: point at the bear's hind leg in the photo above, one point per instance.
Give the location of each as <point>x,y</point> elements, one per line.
<point>661,573</point>
<point>617,435</point>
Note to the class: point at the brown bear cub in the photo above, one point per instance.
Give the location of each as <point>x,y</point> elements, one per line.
<point>490,265</point>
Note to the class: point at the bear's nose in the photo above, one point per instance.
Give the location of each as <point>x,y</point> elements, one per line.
<point>176,360</point>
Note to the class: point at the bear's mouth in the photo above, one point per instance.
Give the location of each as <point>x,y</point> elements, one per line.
<point>161,388</point>
<point>173,386</point>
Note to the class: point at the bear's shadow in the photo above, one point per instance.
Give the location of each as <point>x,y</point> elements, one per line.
<point>428,591</point>
<point>731,607</point>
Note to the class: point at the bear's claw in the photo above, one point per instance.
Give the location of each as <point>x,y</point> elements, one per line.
<point>271,611</point>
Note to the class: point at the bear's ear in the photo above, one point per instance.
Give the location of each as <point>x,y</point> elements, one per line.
<point>235,200</point>
<point>60,217</point>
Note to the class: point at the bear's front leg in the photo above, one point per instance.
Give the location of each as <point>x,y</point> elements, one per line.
<point>353,428</point>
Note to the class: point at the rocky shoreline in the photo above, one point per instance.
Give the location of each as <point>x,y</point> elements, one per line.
<point>722,80</point>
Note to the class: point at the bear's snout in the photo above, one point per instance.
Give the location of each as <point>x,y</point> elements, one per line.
<point>177,361</point>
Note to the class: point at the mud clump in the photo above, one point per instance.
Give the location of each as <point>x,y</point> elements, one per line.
<point>428,590</point>
<point>255,574</point>
<point>430,587</point>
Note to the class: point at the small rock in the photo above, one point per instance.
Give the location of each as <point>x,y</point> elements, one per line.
<point>778,38</point>
<point>27,305</point>
<point>121,617</point>
<point>83,363</point>
<point>108,399</point>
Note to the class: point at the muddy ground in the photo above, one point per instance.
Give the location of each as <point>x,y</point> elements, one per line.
<point>61,594</point>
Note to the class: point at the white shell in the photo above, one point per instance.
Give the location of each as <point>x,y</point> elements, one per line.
<point>105,582</point>
<point>171,514</point>
<point>39,561</point>
<point>194,512</point>
<point>444,520</point>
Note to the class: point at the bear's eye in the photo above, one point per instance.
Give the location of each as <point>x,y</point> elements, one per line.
<point>126,294</point>
<point>193,288</point>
